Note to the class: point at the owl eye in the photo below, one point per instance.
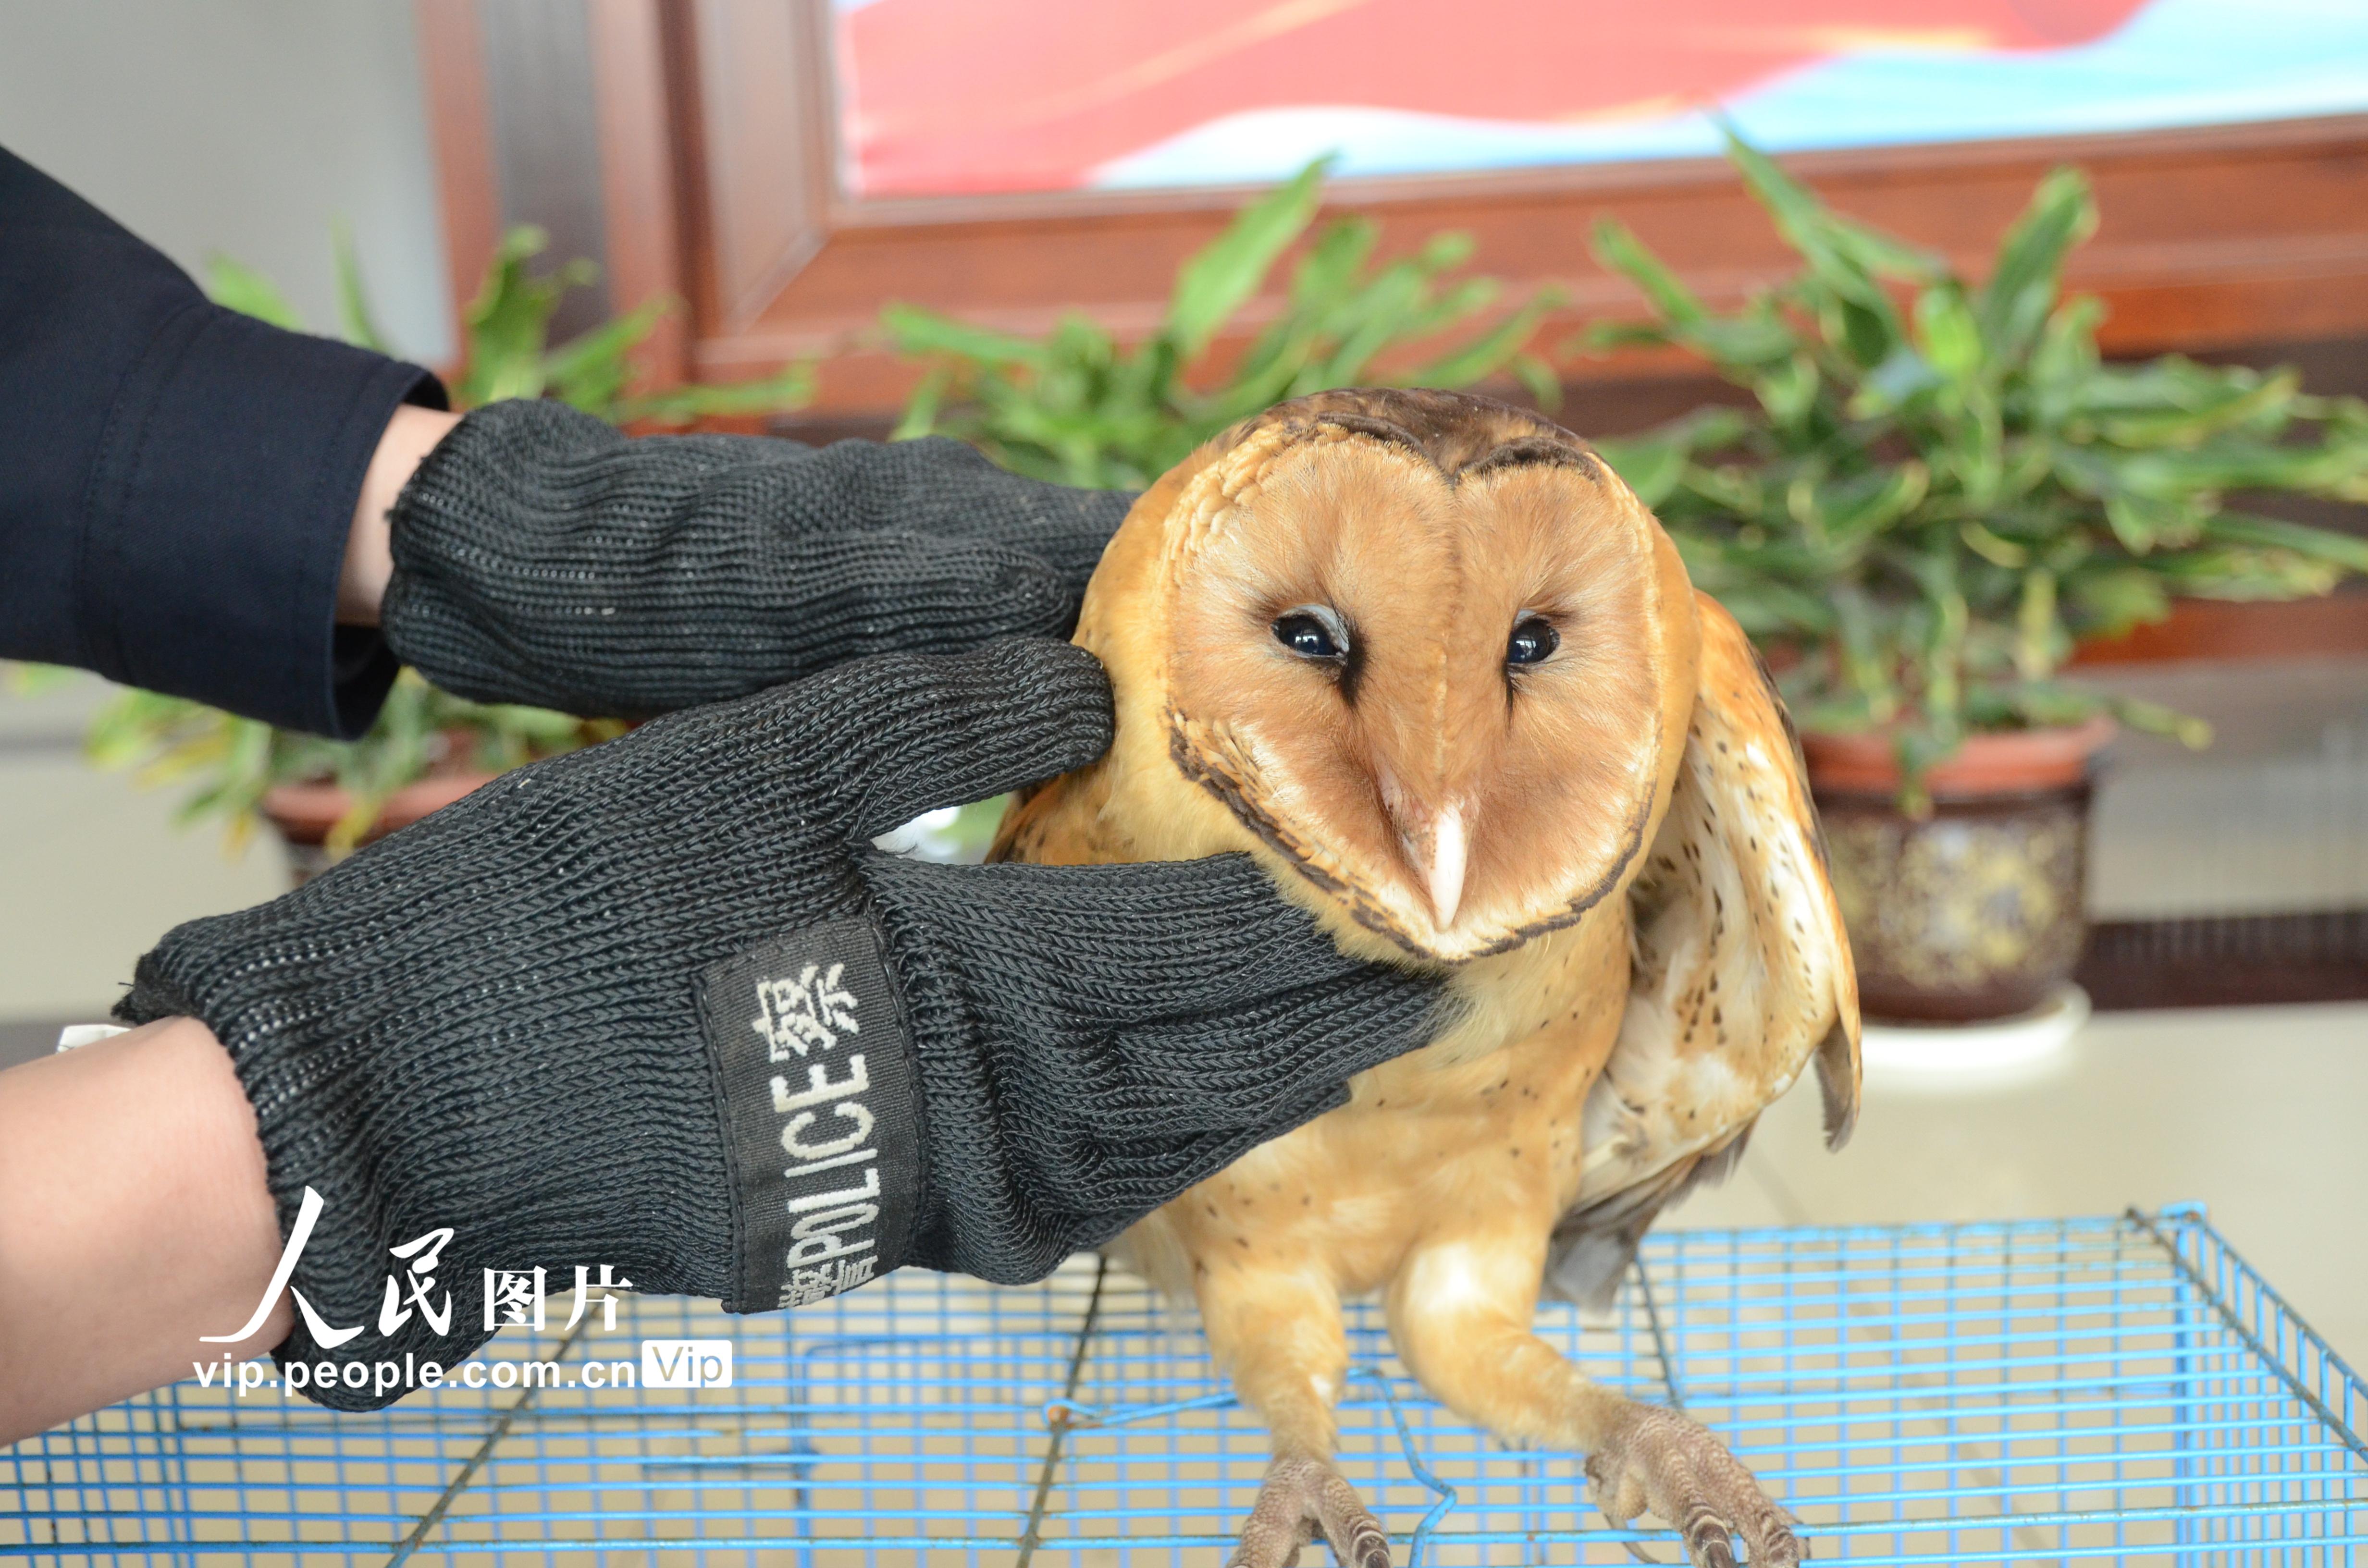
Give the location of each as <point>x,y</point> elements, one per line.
<point>1533,638</point>
<point>1312,633</point>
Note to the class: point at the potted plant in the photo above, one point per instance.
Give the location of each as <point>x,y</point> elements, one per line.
<point>1077,408</point>
<point>1936,488</point>
<point>427,747</point>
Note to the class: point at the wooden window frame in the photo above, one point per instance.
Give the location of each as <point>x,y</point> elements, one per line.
<point>718,147</point>
<point>717,151</point>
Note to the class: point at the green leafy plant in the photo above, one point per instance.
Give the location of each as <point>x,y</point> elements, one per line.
<point>228,764</point>
<point>19,678</point>
<point>1076,407</point>
<point>1939,486</point>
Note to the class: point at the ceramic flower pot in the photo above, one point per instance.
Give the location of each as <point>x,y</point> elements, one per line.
<point>304,813</point>
<point>1978,911</point>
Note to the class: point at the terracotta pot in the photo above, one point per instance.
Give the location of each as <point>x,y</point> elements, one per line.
<point>1978,911</point>
<point>303,814</point>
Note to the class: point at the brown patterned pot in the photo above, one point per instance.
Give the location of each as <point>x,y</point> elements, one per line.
<point>303,814</point>
<point>1978,911</point>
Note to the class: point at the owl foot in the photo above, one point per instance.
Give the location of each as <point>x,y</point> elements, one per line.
<point>1301,1496</point>
<point>1657,1459</point>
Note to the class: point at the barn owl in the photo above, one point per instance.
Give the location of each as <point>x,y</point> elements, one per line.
<point>1434,664</point>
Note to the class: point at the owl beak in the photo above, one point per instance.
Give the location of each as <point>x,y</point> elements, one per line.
<point>1446,876</point>
<point>1442,867</point>
<point>1436,842</point>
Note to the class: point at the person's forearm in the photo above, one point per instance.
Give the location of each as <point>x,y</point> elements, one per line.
<point>134,1218</point>
<point>410,435</point>
<point>176,479</point>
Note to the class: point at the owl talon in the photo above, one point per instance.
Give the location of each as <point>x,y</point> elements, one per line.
<point>1300,1497</point>
<point>1659,1462</point>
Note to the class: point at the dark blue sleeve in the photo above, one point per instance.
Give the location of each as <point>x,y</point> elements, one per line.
<point>177,480</point>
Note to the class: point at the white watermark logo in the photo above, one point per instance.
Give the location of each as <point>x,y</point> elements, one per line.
<point>664,1363</point>
<point>511,1297</point>
<point>686,1363</point>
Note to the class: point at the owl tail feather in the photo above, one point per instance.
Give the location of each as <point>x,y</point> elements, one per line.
<point>1593,1248</point>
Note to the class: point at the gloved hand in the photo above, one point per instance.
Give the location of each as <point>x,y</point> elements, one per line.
<point>658,1005</point>
<point>541,558</point>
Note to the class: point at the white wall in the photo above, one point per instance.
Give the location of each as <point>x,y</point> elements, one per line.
<point>243,127</point>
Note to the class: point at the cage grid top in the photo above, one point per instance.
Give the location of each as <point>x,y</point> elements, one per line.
<point>2122,1390</point>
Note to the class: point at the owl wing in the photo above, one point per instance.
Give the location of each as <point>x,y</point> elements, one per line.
<point>1741,973</point>
<point>1061,822</point>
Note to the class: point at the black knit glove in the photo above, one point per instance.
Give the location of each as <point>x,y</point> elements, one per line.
<point>540,557</point>
<point>657,1005</point>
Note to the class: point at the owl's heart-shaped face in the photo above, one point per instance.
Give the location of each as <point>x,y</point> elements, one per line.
<point>1433,652</point>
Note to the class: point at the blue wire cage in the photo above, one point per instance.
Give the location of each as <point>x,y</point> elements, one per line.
<point>2122,1389</point>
